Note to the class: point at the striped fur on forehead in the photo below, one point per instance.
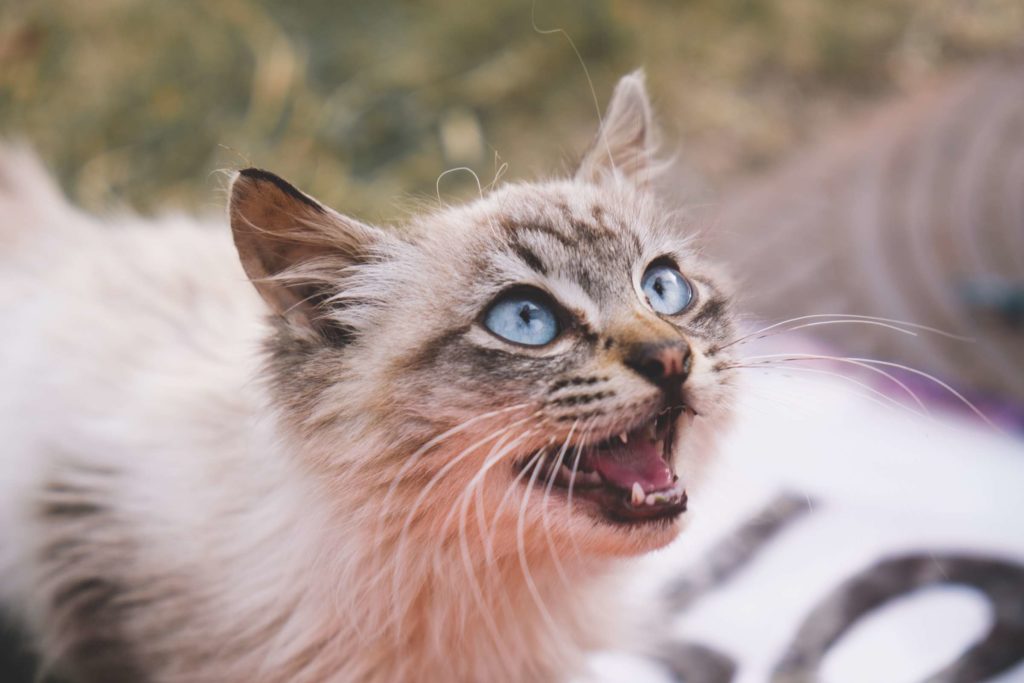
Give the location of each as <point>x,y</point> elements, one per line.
<point>584,234</point>
<point>585,245</point>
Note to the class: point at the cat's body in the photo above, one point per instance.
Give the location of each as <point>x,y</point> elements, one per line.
<point>195,489</point>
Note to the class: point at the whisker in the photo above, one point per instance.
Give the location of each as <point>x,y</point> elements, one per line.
<point>882,399</point>
<point>906,368</point>
<point>875,323</point>
<point>412,460</point>
<point>891,323</point>
<point>524,564</point>
<point>475,587</point>
<point>555,466</point>
<point>475,483</point>
<point>467,169</point>
<point>588,428</point>
<point>499,586</point>
<point>508,495</point>
<point>444,470</point>
<point>586,73</point>
<point>861,364</point>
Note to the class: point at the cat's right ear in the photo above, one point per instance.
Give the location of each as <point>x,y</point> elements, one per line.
<point>626,142</point>
<point>293,248</point>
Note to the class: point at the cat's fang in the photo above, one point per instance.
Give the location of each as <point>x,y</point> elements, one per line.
<point>626,477</point>
<point>638,494</point>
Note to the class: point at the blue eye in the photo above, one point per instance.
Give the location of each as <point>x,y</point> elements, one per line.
<point>666,289</point>
<point>522,319</point>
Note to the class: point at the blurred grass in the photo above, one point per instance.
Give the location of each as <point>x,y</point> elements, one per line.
<point>362,103</point>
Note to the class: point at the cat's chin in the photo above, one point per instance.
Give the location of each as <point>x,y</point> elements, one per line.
<point>626,481</point>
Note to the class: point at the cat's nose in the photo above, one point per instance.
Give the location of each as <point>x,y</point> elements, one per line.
<point>664,362</point>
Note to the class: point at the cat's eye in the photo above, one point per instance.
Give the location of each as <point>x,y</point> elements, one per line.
<point>666,289</point>
<point>522,318</point>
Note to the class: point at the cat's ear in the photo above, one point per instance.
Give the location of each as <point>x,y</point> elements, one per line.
<point>293,248</point>
<point>626,142</point>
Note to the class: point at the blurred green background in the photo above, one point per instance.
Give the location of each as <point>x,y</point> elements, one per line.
<point>365,103</point>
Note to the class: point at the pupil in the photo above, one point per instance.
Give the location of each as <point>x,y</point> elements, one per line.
<point>524,314</point>
<point>659,288</point>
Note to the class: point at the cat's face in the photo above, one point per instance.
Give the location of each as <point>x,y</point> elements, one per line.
<point>543,362</point>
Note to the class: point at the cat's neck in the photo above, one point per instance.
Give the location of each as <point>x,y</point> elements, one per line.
<point>449,615</point>
<point>362,603</point>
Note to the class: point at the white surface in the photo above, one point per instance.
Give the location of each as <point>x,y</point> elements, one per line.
<point>910,637</point>
<point>880,481</point>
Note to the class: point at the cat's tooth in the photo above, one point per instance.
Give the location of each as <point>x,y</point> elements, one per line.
<point>624,437</point>
<point>649,500</point>
<point>638,494</point>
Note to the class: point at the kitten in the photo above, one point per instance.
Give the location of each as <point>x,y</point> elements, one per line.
<point>416,454</point>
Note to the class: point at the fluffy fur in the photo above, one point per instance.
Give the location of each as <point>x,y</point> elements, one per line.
<point>320,478</point>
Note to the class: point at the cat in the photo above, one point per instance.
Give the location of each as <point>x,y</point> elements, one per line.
<point>423,453</point>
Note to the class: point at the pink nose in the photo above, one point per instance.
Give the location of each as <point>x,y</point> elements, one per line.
<point>665,362</point>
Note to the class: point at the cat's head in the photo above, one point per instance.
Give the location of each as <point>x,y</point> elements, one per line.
<point>547,359</point>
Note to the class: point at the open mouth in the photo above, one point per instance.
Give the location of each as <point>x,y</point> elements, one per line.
<point>629,477</point>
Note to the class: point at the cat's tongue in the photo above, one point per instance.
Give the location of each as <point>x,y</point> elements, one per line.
<point>640,461</point>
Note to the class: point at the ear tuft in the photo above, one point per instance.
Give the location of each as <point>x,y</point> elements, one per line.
<point>293,248</point>
<point>626,142</point>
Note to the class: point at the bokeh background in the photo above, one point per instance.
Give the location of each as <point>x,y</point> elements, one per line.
<point>365,103</point>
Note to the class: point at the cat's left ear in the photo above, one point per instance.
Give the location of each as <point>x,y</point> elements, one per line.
<point>626,142</point>
<point>296,250</point>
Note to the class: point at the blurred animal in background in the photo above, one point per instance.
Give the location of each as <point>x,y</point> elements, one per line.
<point>914,213</point>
